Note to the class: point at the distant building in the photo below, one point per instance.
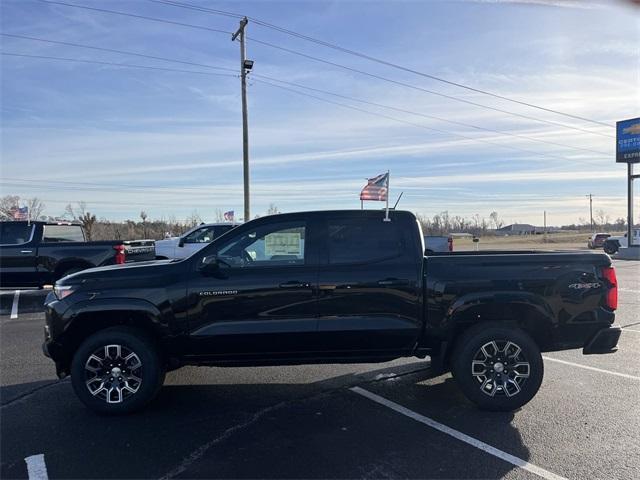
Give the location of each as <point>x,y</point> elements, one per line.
<point>523,229</point>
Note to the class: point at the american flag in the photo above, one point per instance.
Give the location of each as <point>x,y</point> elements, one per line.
<point>20,213</point>
<point>377,188</point>
<point>229,216</point>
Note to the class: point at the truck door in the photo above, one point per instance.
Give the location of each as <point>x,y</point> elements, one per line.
<point>369,286</point>
<point>18,255</point>
<point>260,296</point>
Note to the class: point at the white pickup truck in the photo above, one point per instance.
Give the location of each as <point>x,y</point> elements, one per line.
<point>612,244</point>
<point>191,241</point>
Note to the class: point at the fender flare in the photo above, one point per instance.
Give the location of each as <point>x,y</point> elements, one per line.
<point>458,312</point>
<point>131,305</point>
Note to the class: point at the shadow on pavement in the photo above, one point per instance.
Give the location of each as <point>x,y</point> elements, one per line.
<point>315,430</point>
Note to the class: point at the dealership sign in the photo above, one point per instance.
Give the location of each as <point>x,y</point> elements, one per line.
<point>628,141</point>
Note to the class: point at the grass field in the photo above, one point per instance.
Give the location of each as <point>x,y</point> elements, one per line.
<point>556,241</point>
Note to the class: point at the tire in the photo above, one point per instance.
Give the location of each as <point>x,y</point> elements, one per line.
<point>610,248</point>
<point>116,351</point>
<point>498,368</point>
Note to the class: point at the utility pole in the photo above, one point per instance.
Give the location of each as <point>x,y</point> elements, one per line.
<point>591,210</point>
<point>545,226</point>
<point>245,66</point>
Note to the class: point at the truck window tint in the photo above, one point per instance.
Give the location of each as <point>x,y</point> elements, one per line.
<point>358,240</point>
<point>269,245</point>
<point>63,233</point>
<point>202,235</point>
<point>15,233</point>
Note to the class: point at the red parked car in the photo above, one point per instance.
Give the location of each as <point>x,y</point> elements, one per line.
<point>597,240</point>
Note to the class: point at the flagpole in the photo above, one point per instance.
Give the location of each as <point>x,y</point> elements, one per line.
<point>386,215</point>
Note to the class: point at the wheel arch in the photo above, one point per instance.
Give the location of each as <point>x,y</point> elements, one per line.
<point>68,265</point>
<point>526,312</point>
<point>91,318</point>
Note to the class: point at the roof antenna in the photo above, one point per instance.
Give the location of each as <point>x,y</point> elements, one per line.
<point>398,201</point>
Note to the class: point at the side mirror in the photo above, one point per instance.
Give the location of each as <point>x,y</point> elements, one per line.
<point>181,242</point>
<point>208,264</point>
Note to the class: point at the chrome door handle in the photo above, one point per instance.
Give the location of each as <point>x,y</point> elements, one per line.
<point>295,284</point>
<point>26,251</point>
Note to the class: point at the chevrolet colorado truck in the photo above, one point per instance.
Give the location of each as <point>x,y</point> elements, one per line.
<point>33,254</point>
<point>329,287</point>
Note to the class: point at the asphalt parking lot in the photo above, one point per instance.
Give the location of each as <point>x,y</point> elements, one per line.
<point>388,420</point>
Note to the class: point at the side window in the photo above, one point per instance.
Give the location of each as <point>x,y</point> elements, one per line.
<point>63,233</point>
<point>202,235</point>
<point>362,240</point>
<point>15,233</point>
<point>265,246</point>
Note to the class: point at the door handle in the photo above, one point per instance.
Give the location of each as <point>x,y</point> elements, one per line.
<point>26,251</point>
<point>295,284</point>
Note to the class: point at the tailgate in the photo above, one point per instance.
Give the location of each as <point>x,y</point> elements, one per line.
<point>139,250</point>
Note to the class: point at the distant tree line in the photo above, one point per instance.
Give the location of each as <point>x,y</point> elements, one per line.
<point>104,229</point>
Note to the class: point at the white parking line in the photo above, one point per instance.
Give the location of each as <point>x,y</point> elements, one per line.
<point>14,307</point>
<point>630,330</point>
<point>628,290</point>
<point>507,457</point>
<point>36,467</point>
<point>586,367</point>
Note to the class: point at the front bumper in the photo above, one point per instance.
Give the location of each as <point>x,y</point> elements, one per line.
<point>604,340</point>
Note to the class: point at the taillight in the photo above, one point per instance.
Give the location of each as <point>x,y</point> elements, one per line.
<point>450,242</point>
<point>120,254</point>
<point>611,299</point>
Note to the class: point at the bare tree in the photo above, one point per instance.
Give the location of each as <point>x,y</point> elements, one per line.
<point>75,212</point>
<point>218,215</point>
<point>496,220</point>
<point>7,203</point>
<point>35,206</point>
<point>273,209</point>
<point>143,216</point>
<point>602,218</point>
<point>88,221</point>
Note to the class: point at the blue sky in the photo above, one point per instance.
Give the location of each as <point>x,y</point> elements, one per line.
<point>125,139</point>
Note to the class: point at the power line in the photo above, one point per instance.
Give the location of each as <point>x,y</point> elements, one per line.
<point>323,100</point>
<point>380,61</point>
<point>132,15</point>
<point>432,92</point>
<point>351,107</point>
<point>111,50</point>
<point>500,132</point>
<point>113,64</point>
<point>327,62</point>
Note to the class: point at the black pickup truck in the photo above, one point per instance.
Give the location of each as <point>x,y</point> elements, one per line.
<point>329,287</point>
<point>33,254</point>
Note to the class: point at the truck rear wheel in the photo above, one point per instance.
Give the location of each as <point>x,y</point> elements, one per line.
<point>117,370</point>
<point>498,368</point>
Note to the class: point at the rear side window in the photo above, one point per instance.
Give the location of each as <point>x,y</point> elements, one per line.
<point>202,235</point>
<point>362,240</point>
<point>63,233</point>
<point>15,233</point>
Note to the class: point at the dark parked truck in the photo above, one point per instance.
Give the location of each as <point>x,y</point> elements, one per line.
<point>33,254</point>
<point>329,287</point>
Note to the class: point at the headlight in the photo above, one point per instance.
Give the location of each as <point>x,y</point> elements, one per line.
<point>62,291</point>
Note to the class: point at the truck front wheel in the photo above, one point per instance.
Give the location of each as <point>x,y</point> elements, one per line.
<point>497,368</point>
<point>117,370</point>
